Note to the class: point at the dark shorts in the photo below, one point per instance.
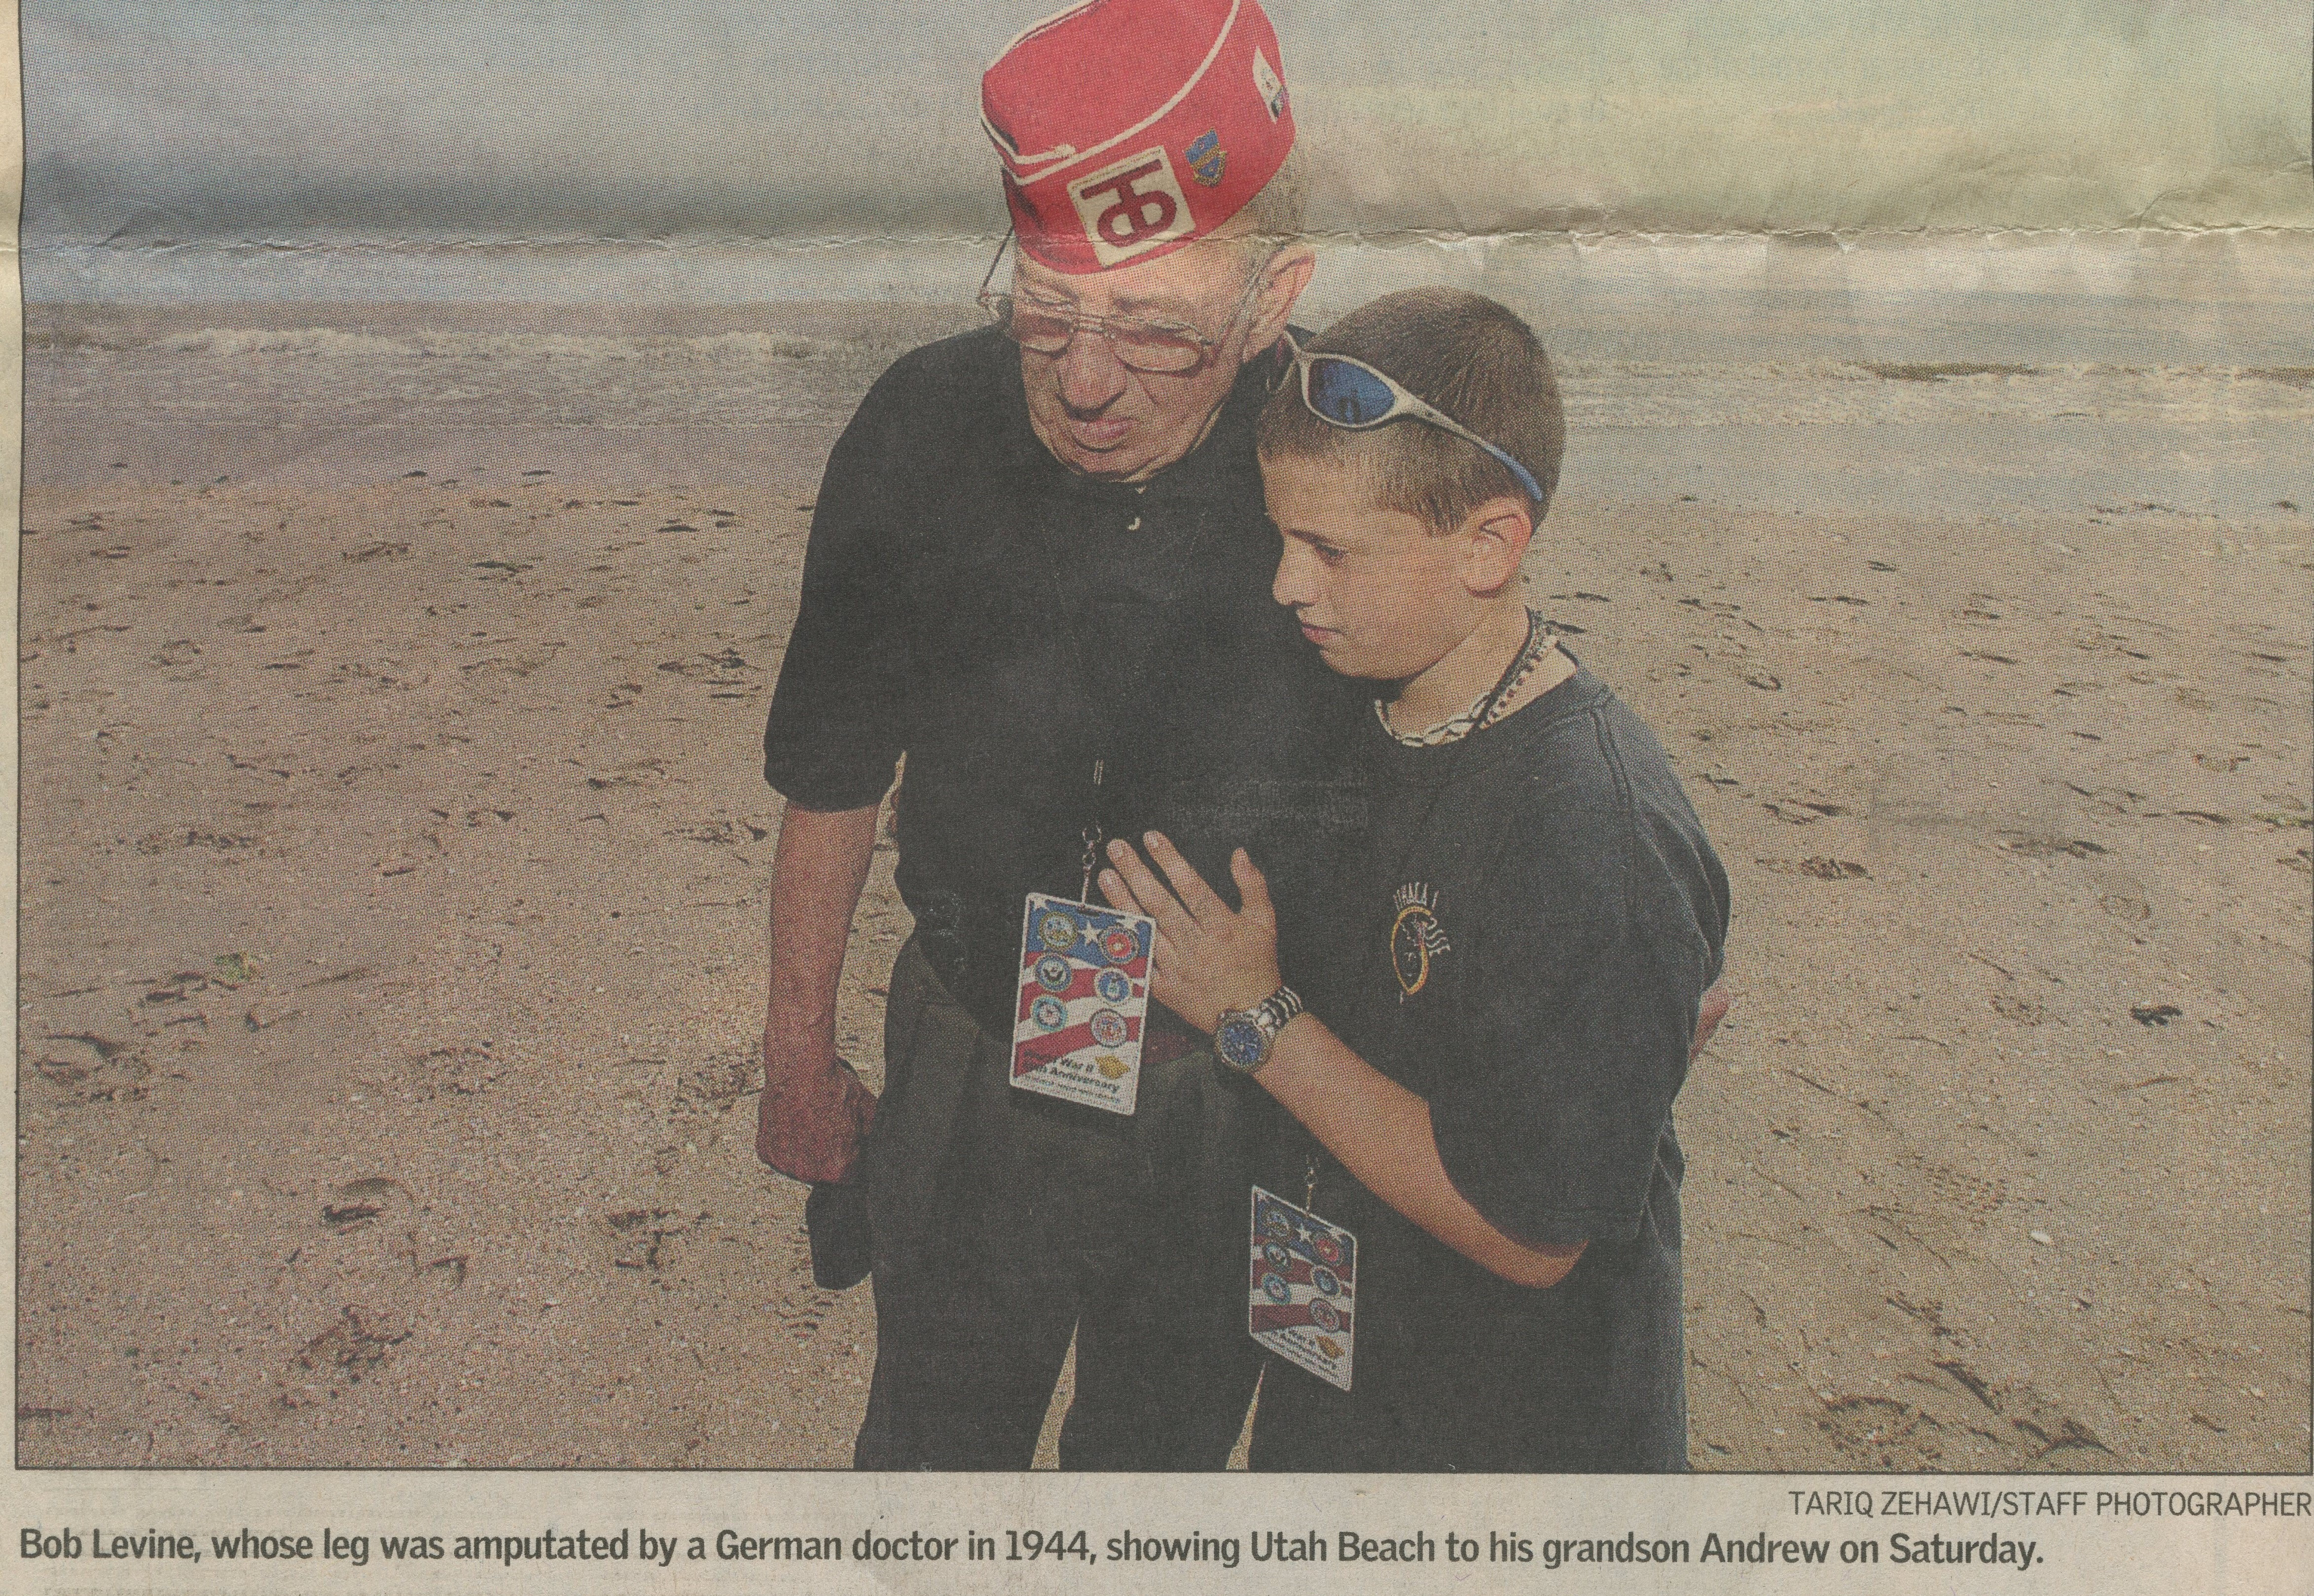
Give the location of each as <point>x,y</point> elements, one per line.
<point>1004,1220</point>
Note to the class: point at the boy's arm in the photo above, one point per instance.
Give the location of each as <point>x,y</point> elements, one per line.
<point>1382,1133</point>
<point>1209,960</point>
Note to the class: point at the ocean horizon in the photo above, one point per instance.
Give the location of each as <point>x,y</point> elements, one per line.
<point>1985,375</point>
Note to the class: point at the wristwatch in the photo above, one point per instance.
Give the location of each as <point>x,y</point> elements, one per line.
<point>1243,1038</point>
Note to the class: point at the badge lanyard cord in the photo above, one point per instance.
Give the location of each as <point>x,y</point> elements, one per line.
<point>1158,687</point>
<point>1094,834</point>
<point>1511,675</point>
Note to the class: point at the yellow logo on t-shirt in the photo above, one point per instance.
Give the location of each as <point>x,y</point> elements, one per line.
<point>1417,940</point>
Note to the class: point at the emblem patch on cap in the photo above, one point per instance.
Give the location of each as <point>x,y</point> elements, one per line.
<point>1131,207</point>
<point>1416,939</point>
<point>1272,88</point>
<point>1206,158</point>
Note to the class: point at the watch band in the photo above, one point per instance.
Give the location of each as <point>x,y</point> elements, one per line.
<point>1277,1008</point>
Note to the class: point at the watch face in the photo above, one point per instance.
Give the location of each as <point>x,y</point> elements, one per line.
<point>1241,1043</point>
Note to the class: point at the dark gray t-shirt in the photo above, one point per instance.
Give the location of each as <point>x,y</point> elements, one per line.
<point>1524,943</point>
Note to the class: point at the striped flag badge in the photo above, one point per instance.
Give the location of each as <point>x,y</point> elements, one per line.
<point>1083,1003</point>
<point>1301,1295</point>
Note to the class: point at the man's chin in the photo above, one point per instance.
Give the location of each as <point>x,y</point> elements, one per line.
<point>1105,453</point>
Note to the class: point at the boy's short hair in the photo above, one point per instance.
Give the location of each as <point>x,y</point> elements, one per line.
<point>1467,356</point>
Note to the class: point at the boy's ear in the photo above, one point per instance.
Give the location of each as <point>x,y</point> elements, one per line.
<point>1495,534</point>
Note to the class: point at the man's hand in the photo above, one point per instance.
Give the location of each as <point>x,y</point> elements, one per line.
<point>1207,958</point>
<point>813,1113</point>
<point>1716,1000</point>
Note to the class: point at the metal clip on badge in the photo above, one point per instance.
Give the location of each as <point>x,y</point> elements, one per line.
<point>1092,835</point>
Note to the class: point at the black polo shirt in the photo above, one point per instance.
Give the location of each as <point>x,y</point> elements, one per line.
<point>1011,628</point>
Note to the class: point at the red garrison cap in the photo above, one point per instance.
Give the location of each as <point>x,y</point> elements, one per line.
<point>1128,127</point>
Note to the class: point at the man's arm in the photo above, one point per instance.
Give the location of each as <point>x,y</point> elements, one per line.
<point>814,1111</point>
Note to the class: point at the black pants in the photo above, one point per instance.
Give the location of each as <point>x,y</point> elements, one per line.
<point>1004,1220</point>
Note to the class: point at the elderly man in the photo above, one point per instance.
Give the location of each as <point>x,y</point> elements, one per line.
<point>1039,570</point>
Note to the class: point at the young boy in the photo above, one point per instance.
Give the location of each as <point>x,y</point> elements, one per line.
<point>1484,1083</point>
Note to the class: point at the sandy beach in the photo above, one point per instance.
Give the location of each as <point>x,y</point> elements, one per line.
<point>395,861</point>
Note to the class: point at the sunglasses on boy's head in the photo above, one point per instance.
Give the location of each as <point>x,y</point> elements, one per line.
<point>1047,327</point>
<point>1349,394</point>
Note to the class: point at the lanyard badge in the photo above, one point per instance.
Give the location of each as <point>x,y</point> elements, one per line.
<point>1083,1003</point>
<point>1300,1293</point>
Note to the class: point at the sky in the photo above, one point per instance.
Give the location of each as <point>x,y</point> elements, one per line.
<point>270,122</point>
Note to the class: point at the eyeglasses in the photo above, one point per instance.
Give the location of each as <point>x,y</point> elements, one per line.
<point>1047,327</point>
<point>1349,394</point>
